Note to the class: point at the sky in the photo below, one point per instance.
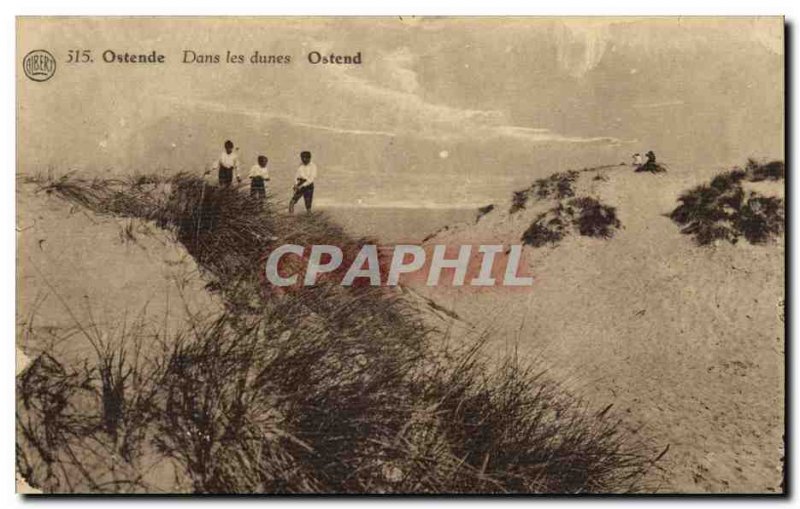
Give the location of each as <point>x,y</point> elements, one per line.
<point>443,112</point>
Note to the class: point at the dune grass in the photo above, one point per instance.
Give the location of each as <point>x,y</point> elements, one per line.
<point>773,170</point>
<point>482,211</point>
<point>724,210</point>
<point>651,168</point>
<point>322,389</point>
<point>556,186</point>
<point>584,215</point>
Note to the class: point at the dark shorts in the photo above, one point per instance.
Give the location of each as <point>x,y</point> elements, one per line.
<point>307,193</point>
<point>258,187</point>
<point>225,176</point>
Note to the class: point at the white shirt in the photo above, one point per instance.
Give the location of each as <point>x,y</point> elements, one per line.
<point>258,171</point>
<point>307,172</point>
<point>637,159</point>
<point>227,160</point>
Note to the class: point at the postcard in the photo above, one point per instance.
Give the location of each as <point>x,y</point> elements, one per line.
<point>400,255</point>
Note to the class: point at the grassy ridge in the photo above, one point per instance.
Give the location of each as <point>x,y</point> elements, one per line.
<point>324,389</point>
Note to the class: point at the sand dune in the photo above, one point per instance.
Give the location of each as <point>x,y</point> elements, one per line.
<point>686,341</point>
<point>77,267</point>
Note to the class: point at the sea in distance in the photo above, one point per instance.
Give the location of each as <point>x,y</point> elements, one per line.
<point>390,225</point>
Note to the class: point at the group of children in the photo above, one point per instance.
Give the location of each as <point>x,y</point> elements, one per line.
<point>227,168</point>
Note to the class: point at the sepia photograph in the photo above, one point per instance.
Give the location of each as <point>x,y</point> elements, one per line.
<point>400,255</point>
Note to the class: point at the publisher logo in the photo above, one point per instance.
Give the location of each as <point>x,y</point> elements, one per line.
<point>39,65</point>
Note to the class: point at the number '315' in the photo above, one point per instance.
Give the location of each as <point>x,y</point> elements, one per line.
<point>79,56</point>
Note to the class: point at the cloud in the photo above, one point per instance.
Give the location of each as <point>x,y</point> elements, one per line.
<point>547,136</point>
<point>341,130</point>
<point>386,99</point>
<point>581,44</point>
<point>219,107</point>
<point>393,96</point>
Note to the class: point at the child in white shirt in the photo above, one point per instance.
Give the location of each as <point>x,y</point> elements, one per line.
<point>304,186</point>
<point>227,166</point>
<point>259,175</point>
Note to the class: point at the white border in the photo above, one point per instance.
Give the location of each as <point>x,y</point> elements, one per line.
<point>321,7</point>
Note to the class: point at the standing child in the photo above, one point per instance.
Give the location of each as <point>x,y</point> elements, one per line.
<point>304,186</point>
<point>227,166</point>
<point>259,175</point>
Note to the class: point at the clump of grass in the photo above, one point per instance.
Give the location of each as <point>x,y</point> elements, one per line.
<point>324,389</point>
<point>556,186</point>
<point>773,170</point>
<point>586,215</point>
<point>651,168</point>
<point>224,231</point>
<point>722,210</point>
<point>48,420</point>
<point>518,201</point>
<point>507,426</point>
<point>482,211</point>
<point>595,219</point>
<point>288,409</point>
<point>728,180</point>
<point>549,227</point>
<point>760,218</point>
<point>84,429</point>
<point>135,197</point>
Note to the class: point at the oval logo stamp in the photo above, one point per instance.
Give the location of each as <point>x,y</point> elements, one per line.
<point>39,65</point>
